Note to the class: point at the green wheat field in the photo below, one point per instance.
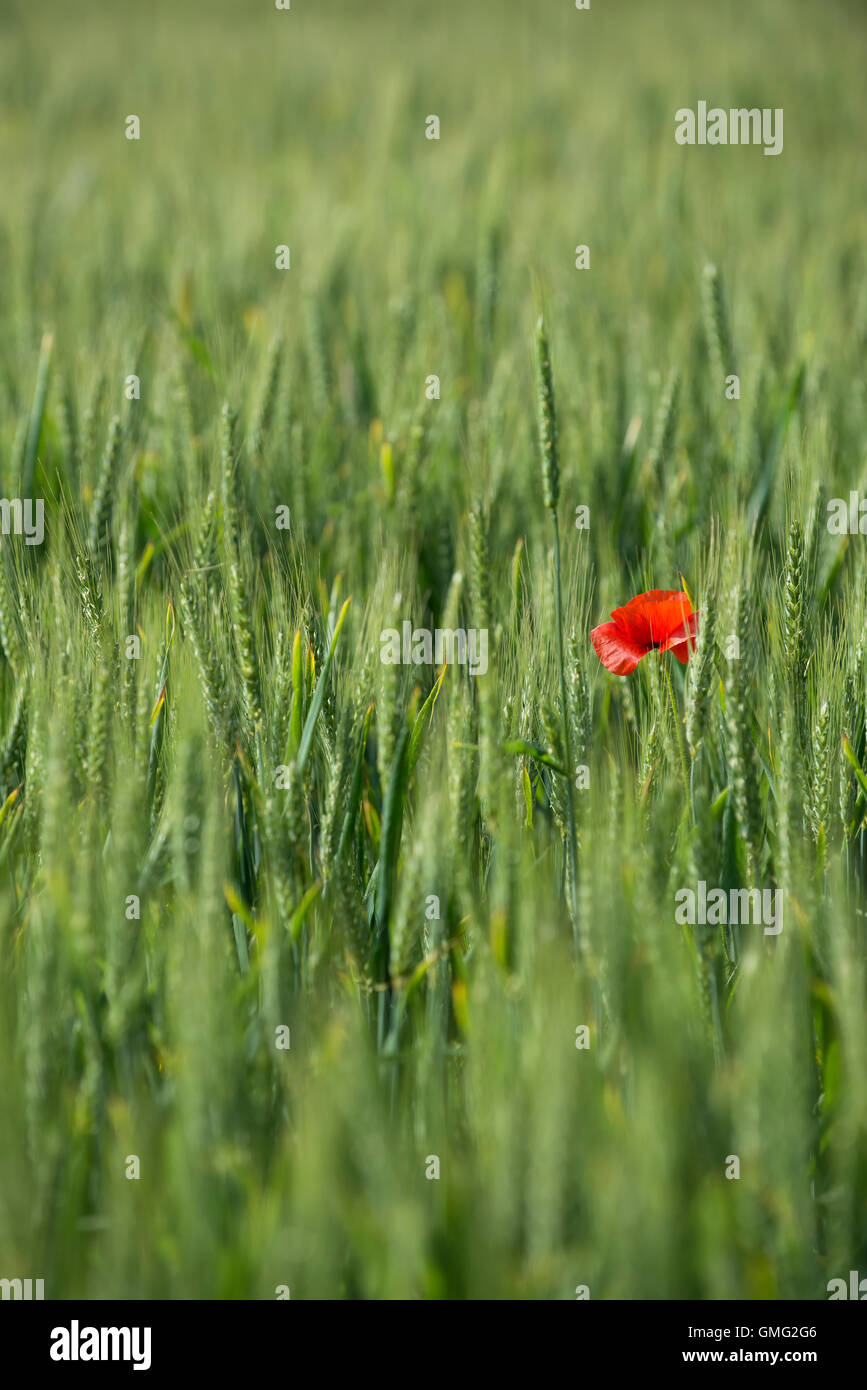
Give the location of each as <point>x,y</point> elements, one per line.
<point>327,978</point>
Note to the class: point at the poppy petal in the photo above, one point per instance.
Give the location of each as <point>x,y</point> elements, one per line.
<point>651,618</point>
<point>682,641</point>
<point>681,651</point>
<point>616,651</point>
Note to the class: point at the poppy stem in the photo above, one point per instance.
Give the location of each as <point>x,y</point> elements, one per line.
<point>676,716</point>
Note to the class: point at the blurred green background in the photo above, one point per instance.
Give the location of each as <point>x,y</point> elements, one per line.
<point>559,1167</point>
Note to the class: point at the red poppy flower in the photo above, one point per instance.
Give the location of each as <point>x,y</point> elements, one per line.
<point>661,620</point>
